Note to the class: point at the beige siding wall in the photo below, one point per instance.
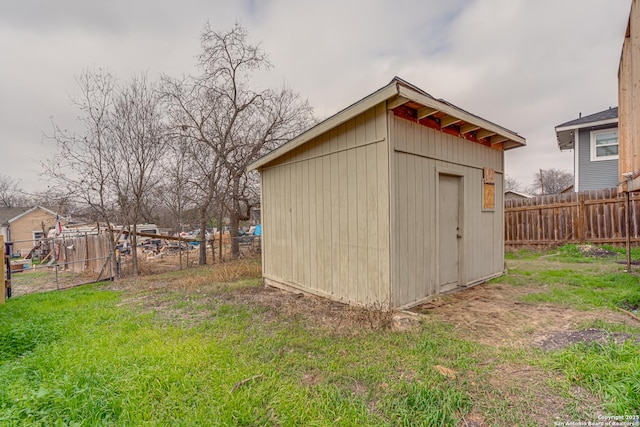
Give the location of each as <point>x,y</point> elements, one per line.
<point>23,228</point>
<point>325,213</point>
<point>420,155</point>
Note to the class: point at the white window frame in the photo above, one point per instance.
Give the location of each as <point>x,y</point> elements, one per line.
<point>35,235</point>
<point>594,133</point>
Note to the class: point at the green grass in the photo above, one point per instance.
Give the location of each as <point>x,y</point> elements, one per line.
<point>585,291</point>
<point>611,371</point>
<point>570,253</point>
<point>565,276</point>
<point>78,358</point>
<point>88,357</point>
<point>569,278</point>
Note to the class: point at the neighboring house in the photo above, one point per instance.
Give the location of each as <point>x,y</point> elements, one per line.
<point>569,189</point>
<point>7,213</point>
<point>24,226</point>
<point>594,141</point>
<point>510,194</point>
<point>393,200</point>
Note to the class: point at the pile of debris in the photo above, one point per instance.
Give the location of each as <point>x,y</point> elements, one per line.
<point>595,251</point>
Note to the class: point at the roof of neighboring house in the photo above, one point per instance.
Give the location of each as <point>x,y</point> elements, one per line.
<point>569,189</point>
<point>519,194</point>
<point>9,215</point>
<point>565,132</point>
<point>398,93</point>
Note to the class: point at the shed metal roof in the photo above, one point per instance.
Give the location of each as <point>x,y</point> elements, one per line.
<point>402,94</point>
<point>565,133</point>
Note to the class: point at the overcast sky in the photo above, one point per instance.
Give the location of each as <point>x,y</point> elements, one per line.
<point>527,65</point>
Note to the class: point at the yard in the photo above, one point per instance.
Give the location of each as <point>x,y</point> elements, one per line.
<point>553,341</point>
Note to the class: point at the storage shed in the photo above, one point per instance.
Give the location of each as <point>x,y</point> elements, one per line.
<point>393,200</point>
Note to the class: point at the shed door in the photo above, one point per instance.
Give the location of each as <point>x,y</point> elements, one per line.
<point>449,232</point>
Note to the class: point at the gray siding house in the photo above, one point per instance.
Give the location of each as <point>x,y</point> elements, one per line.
<point>594,141</point>
<point>393,200</point>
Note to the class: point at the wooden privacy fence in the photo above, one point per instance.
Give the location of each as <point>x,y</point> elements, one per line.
<point>595,216</point>
<point>88,253</point>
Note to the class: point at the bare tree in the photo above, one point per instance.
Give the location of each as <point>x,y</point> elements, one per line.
<point>551,181</point>
<point>249,122</point>
<point>84,164</point>
<point>175,190</point>
<point>58,200</point>
<point>109,165</point>
<point>11,195</point>
<point>139,147</point>
<point>191,104</point>
<point>229,124</point>
<point>278,117</point>
<point>512,184</point>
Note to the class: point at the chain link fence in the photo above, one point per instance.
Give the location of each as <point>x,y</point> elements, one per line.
<point>57,263</point>
<point>64,262</point>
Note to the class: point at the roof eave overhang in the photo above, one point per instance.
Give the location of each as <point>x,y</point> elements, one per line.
<point>509,139</point>
<point>566,139</point>
<point>587,125</point>
<point>28,211</point>
<point>397,94</point>
<point>566,134</point>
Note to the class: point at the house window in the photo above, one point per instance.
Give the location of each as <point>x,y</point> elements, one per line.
<point>604,145</point>
<point>38,235</point>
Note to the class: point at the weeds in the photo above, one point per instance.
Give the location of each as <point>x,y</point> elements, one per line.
<point>611,371</point>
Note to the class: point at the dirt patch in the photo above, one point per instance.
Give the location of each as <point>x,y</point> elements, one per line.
<point>561,339</point>
<point>492,314</point>
<point>472,420</point>
<point>312,378</point>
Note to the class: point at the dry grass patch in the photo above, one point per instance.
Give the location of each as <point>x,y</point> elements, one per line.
<point>193,294</point>
<point>493,314</point>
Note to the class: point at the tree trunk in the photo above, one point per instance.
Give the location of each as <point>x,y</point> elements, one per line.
<point>112,250</point>
<point>202,241</point>
<point>221,227</point>
<point>234,224</point>
<point>234,219</point>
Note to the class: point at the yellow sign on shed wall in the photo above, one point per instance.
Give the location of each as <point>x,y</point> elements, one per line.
<point>489,196</point>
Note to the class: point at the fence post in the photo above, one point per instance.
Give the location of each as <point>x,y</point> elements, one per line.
<point>55,263</point>
<point>581,218</point>
<point>628,240</point>
<point>86,251</point>
<point>3,287</point>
